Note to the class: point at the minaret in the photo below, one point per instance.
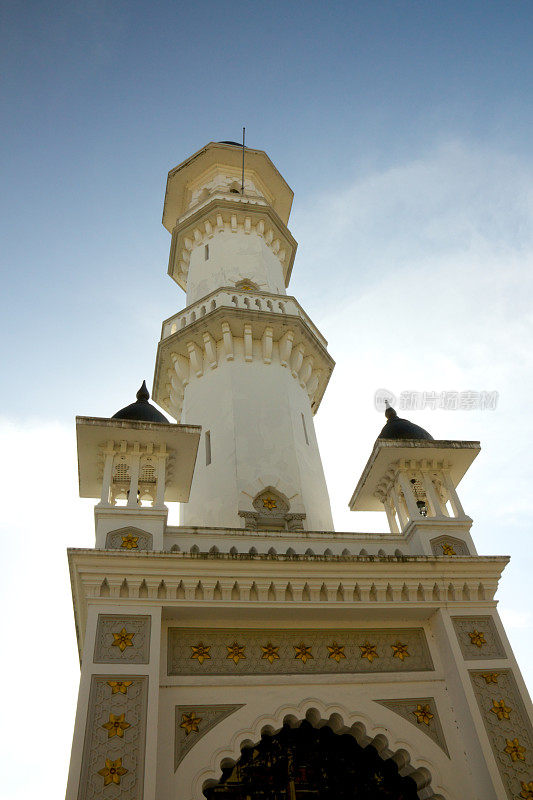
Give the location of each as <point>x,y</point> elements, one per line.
<point>243,359</point>
<point>253,650</point>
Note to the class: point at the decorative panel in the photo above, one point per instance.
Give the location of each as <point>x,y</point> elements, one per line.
<point>421,712</point>
<point>193,722</point>
<point>478,638</point>
<point>449,546</point>
<point>129,539</point>
<point>114,747</point>
<point>508,728</point>
<point>122,638</point>
<point>302,652</point>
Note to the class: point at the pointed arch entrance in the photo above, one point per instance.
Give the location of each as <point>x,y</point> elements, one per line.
<point>308,763</point>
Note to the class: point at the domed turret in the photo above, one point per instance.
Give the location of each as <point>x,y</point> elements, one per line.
<point>397,428</point>
<point>142,410</point>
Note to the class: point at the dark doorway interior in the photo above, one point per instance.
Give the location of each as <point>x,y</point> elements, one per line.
<point>307,763</point>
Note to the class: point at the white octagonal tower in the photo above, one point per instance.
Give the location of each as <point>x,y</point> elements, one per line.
<point>243,360</point>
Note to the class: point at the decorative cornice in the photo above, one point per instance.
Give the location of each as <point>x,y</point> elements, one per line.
<point>223,215</point>
<point>209,342</point>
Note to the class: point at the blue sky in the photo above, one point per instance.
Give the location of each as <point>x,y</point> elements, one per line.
<point>404,129</point>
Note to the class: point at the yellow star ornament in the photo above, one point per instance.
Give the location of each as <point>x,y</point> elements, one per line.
<point>235,652</point>
<point>400,651</point>
<point>116,725</point>
<point>270,503</point>
<point>527,790</point>
<point>336,651</point>
<point>477,638</point>
<point>201,652</point>
<point>501,710</point>
<point>190,722</point>
<point>514,750</point>
<point>368,651</point>
<point>490,677</point>
<point>303,652</point>
<point>129,542</point>
<point>119,686</point>
<point>270,652</point>
<point>423,714</point>
<point>447,549</point>
<point>123,640</point>
<point>112,772</point>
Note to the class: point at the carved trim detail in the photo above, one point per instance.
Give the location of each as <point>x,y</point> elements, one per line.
<point>102,748</point>
<point>507,725</point>
<point>193,722</point>
<point>478,638</point>
<point>123,638</point>
<point>279,652</point>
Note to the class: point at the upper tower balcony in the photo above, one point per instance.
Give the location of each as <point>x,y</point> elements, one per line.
<point>223,229</point>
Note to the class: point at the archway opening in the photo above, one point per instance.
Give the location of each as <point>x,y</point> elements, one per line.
<point>307,763</point>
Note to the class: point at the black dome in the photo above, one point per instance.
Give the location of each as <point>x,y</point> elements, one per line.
<point>142,410</point>
<point>237,144</point>
<point>397,428</point>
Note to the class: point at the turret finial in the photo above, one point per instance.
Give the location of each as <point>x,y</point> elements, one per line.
<point>390,413</point>
<point>143,394</point>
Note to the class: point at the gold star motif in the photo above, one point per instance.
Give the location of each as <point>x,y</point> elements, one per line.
<point>116,725</point>
<point>129,542</point>
<point>336,651</point>
<point>201,652</point>
<point>527,790</point>
<point>123,640</point>
<point>378,779</point>
<point>501,710</point>
<point>400,651</point>
<point>368,651</point>
<point>447,549</point>
<point>112,772</point>
<point>270,652</point>
<point>119,686</point>
<point>303,652</point>
<point>235,652</point>
<point>189,722</point>
<point>477,638</point>
<point>490,677</point>
<point>514,750</point>
<point>270,503</point>
<point>423,714</point>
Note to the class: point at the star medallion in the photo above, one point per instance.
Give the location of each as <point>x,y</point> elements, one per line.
<point>368,651</point>
<point>116,725</point>
<point>400,651</point>
<point>235,652</point>
<point>501,710</point>
<point>423,714</point>
<point>201,652</point>
<point>477,638</point>
<point>129,542</point>
<point>514,750</point>
<point>122,640</point>
<point>303,652</point>
<point>119,686</point>
<point>270,652</point>
<point>190,722</point>
<point>112,772</point>
<point>336,651</point>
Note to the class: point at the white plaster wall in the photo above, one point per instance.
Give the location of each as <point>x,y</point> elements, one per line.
<point>253,412</point>
<point>233,257</point>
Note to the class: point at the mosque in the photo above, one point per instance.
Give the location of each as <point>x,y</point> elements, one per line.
<point>252,652</point>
